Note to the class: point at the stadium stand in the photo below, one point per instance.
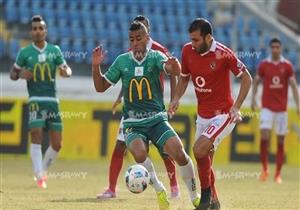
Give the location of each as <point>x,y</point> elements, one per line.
<point>79,25</point>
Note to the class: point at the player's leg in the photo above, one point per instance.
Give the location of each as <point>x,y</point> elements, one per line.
<point>215,204</point>
<point>281,122</point>
<point>36,155</point>
<point>266,121</point>
<point>171,170</point>
<point>116,164</point>
<point>168,141</point>
<point>215,131</point>
<point>115,167</point>
<point>55,133</point>
<point>53,149</point>
<point>201,125</point>
<point>138,148</point>
<point>36,125</point>
<point>137,145</point>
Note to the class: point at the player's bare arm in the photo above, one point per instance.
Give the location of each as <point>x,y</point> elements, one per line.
<point>246,82</point>
<point>294,86</point>
<point>17,73</point>
<point>173,83</point>
<point>100,83</point>
<point>179,91</point>
<point>65,71</point>
<point>255,84</point>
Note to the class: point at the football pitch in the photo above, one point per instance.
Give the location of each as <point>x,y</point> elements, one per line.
<point>73,184</point>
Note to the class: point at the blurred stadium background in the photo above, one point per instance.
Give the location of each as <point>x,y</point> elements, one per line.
<point>77,26</point>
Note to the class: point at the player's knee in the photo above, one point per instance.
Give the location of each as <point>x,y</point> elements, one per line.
<point>200,149</point>
<point>181,157</point>
<point>36,136</point>
<point>139,156</point>
<point>265,134</point>
<point>280,139</point>
<point>120,146</point>
<point>56,146</point>
<point>199,153</point>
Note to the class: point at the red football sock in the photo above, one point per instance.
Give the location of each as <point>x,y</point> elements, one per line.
<point>214,194</point>
<point>280,154</point>
<point>264,144</point>
<point>171,169</point>
<point>115,168</point>
<point>212,175</point>
<point>204,171</point>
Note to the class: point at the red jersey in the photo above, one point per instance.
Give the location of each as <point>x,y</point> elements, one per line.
<point>275,77</point>
<point>210,73</point>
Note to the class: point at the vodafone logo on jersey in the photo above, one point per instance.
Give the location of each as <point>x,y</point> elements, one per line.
<point>276,82</point>
<point>200,83</point>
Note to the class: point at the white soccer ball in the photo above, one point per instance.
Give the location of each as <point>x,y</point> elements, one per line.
<point>137,178</point>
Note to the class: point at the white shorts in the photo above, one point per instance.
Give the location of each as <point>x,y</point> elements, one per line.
<point>268,117</point>
<point>215,128</point>
<point>120,135</point>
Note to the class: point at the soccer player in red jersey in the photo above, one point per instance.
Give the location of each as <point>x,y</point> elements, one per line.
<point>275,73</point>
<point>120,147</point>
<point>209,63</point>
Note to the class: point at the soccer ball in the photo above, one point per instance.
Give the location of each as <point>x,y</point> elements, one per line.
<point>137,178</point>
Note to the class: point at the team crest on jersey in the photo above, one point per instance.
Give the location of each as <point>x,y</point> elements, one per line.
<point>139,71</point>
<point>213,65</point>
<point>42,58</point>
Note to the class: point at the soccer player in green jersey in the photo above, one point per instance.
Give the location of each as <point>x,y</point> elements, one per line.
<point>144,113</point>
<point>116,161</point>
<point>37,64</point>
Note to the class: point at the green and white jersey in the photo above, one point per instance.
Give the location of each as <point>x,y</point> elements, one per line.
<point>142,90</point>
<point>43,64</point>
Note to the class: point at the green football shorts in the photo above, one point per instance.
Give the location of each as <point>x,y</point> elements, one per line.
<point>44,114</point>
<point>159,133</point>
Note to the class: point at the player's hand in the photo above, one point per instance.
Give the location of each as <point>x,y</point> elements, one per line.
<point>173,106</point>
<point>172,62</point>
<point>26,74</point>
<point>98,55</point>
<point>235,115</point>
<point>65,71</point>
<point>115,104</point>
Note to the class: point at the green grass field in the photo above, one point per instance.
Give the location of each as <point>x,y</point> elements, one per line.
<point>74,184</point>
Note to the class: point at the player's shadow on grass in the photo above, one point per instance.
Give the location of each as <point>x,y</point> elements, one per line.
<point>87,200</point>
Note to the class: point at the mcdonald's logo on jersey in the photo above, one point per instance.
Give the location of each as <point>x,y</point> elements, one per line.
<point>42,68</point>
<point>139,88</point>
<point>33,107</point>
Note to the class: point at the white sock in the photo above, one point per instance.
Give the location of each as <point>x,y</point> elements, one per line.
<point>188,175</point>
<point>49,158</point>
<point>157,185</point>
<point>36,157</point>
